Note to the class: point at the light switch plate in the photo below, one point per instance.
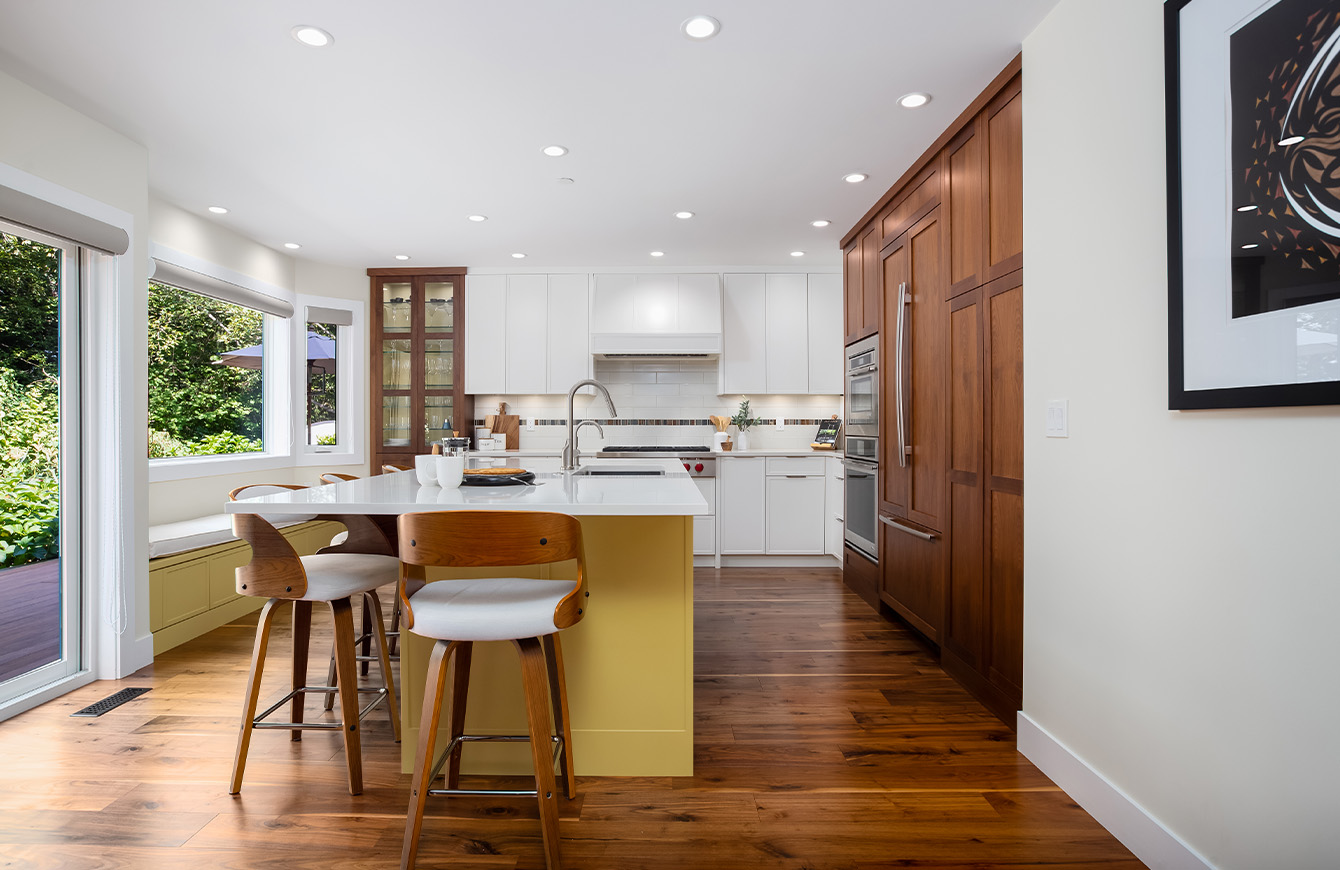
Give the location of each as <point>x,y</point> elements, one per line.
<point>781,423</point>
<point>530,424</point>
<point>1058,418</point>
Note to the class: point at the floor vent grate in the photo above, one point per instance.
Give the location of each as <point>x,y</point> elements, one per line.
<point>108,703</point>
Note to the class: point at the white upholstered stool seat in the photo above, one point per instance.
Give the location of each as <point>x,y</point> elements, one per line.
<point>340,575</point>
<point>488,608</point>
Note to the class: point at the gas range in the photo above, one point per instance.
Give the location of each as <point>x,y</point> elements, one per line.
<point>698,460</point>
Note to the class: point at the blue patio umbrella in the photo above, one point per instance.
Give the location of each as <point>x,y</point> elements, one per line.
<point>320,355</point>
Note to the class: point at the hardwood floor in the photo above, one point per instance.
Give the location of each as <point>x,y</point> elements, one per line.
<point>827,738</point>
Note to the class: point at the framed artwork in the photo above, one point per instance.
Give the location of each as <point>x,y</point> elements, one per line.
<point>1253,101</point>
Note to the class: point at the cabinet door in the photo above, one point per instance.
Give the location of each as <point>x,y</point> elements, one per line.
<point>794,515</point>
<point>740,505</point>
<point>965,159</point>
<point>825,335</point>
<point>1004,125</point>
<point>743,360</point>
<point>916,489</point>
<point>485,336</point>
<point>834,504</point>
<point>870,284</point>
<point>786,333</point>
<point>705,528</point>
<point>700,303</point>
<point>612,303</point>
<point>913,574</point>
<point>851,292</point>
<point>527,334</point>
<point>569,351</point>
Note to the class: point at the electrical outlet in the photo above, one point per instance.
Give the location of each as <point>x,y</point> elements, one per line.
<point>530,424</point>
<point>781,423</point>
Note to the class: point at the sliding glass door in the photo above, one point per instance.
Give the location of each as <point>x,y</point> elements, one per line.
<point>40,618</point>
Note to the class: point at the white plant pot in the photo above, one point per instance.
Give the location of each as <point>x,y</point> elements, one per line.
<point>742,440</point>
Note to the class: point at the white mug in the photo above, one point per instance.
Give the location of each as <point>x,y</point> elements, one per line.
<point>450,470</point>
<point>426,470</point>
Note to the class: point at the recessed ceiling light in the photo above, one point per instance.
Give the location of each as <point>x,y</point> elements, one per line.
<point>683,215</point>
<point>518,256</point>
<point>1249,247</point>
<point>292,246</point>
<point>555,150</point>
<point>218,209</point>
<point>478,218</point>
<point>797,253</point>
<point>855,177</point>
<point>700,27</point>
<point>820,223</point>
<point>658,253</point>
<point>313,36</point>
<point>1246,208</point>
<point>914,101</point>
<point>402,256</point>
<point>565,181</point>
<point>1292,140</point>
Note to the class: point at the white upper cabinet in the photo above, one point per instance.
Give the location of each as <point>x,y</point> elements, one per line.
<point>783,334</point>
<point>827,361</point>
<point>525,334</point>
<point>656,303</point>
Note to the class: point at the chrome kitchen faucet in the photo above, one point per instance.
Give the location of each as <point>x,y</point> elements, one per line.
<point>570,447</point>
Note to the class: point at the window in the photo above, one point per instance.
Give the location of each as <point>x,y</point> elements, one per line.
<point>323,345</point>
<point>206,375</point>
<point>330,421</point>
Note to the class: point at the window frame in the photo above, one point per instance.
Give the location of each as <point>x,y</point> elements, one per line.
<point>350,384</point>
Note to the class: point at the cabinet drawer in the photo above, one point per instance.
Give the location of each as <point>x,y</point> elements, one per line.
<point>794,465</point>
<point>704,536</point>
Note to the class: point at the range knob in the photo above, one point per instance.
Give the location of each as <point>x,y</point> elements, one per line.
<point>686,466</point>
<point>698,467</point>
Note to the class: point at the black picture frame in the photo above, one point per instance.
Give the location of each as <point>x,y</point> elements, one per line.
<point>1180,396</point>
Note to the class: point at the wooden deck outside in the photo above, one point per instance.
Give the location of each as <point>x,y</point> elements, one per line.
<point>30,617</point>
<point>826,737</point>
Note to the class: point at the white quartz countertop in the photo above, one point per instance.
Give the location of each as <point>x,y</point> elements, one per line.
<point>673,494</point>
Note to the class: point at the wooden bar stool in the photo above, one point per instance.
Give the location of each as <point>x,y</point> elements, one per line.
<point>527,612</point>
<point>278,573</point>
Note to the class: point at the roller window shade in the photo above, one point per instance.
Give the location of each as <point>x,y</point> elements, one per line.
<point>45,217</point>
<point>332,316</point>
<point>216,288</point>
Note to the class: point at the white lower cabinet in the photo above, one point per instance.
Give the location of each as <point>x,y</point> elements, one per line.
<point>741,505</point>
<point>834,504</point>
<point>705,528</point>
<point>794,489</point>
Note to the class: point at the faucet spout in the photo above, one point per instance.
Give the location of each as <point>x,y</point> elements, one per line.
<point>570,453</point>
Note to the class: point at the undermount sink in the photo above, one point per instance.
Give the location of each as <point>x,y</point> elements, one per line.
<point>609,471</point>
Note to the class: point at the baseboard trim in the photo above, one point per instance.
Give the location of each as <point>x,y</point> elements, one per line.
<point>780,562</point>
<point>1125,819</point>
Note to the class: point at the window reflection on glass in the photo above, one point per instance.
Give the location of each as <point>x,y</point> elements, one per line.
<point>437,306</point>
<point>437,417</point>
<point>396,308</point>
<point>437,364</point>
<point>322,353</point>
<point>396,364</point>
<point>395,421</point>
<point>205,359</point>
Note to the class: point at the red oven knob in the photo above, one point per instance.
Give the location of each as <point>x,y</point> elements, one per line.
<point>698,467</point>
<point>686,466</point>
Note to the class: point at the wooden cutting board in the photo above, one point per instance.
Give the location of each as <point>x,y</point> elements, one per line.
<point>510,426</point>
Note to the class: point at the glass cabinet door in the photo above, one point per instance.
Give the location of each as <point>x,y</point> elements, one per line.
<point>397,307</point>
<point>395,421</point>
<point>437,413</point>
<point>438,365</point>
<point>438,306</point>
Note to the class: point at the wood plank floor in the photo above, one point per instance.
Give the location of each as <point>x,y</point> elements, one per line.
<point>827,738</point>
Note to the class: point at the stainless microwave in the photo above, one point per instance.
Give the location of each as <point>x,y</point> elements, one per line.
<point>862,391</point>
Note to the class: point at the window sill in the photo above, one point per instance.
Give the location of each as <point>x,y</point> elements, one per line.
<point>184,467</point>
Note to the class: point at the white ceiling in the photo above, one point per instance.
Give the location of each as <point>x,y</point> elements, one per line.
<point>425,111</point>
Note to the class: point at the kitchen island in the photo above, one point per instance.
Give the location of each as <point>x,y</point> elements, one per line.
<point>629,662</point>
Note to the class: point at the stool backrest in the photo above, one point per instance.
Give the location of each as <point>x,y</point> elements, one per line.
<point>336,477</point>
<point>483,539</point>
<point>275,571</point>
<point>392,467</point>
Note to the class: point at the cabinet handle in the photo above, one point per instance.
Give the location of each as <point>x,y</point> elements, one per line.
<point>900,372</point>
<point>796,476</point>
<point>916,533</point>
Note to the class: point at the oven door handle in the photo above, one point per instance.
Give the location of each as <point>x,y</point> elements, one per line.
<point>860,468</point>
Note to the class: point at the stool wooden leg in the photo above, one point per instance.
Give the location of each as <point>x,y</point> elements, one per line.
<point>558,696</point>
<point>395,623</point>
<point>460,686</point>
<point>535,682</point>
<point>302,632</point>
<point>424,755</point>
<point>367,640</point>
<point>253,691</point>
<point>329,703</point>
<point>346,680</point>
<point>372,603</point>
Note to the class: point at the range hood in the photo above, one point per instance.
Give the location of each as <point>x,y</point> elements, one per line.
<point>656,345</point>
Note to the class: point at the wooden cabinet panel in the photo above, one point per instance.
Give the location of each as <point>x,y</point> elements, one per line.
<point>913,575</point>
<point>1006,347</point>
<point>1005,193</point>
<point>853,306</point>
<point>893,474</point>
<point>786,333</point>
<point>861,576</point>
<point>928,340</point>
<point>966,193</point>
<point>965,379</point>
<point>1007,593</point>
<point>922,194</point>
<point>870,287</point>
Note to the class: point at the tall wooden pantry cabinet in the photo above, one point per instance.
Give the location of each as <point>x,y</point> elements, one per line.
<point>417,357</point>
<point>936,267</point>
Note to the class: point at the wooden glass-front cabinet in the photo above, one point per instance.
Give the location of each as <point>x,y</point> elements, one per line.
<point>417,359</point>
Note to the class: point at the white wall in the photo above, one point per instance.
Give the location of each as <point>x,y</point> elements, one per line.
<point>1180,573</point>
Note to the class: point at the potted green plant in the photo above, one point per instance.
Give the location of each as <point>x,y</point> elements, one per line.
<point>744,419</point>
